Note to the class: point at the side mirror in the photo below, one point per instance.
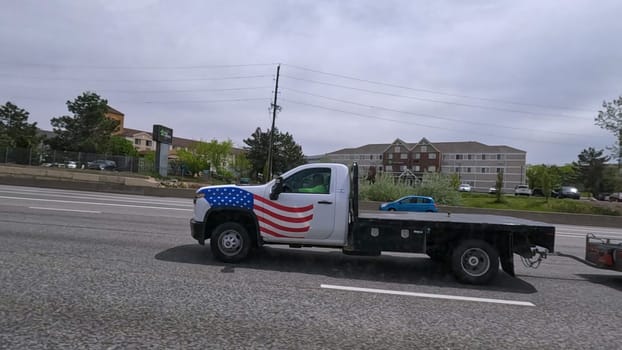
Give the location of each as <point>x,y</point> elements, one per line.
<point>277,188</point>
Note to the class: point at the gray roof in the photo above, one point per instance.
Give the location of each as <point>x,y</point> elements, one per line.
<point>443,147</point>
<point>473,147</point>
<point>376,148</point>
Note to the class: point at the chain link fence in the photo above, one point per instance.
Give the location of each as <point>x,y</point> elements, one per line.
<point>78,160</point>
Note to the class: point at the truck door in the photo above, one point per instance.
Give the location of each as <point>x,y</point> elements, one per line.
<point>308,195</point>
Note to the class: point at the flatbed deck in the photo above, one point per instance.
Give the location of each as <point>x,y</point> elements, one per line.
<point>452,218</point>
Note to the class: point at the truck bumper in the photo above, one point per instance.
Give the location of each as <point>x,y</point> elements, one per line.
<point>197,230</point>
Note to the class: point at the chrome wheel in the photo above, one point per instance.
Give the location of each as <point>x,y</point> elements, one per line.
<point>230,243</point>
<point>475,262</point>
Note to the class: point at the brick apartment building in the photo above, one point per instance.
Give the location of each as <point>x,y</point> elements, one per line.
<point>475,163</point>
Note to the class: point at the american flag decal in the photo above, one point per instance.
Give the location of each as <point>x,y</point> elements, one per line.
<point>275,220</point>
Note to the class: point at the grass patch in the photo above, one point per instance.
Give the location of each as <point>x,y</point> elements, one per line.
<point>478,200</point>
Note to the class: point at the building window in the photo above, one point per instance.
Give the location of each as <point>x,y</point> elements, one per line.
<point>424,148</point>
<point>457,169</point>
<point>417,168</point>
<point>499,170</point>
<point>403,156</point>
<point>458,156</point>
<point>403,168</point>
<point>470,156</point>
<point>432,168</point>
<point>431,155</point>
<point>483,170</point>
<point>380,157</point>
<point>379,168</point>
<point>417,155</point>
<point>498,157</point>
<point>390,155</point>
<point>149,142</point>
<point>468,170</point>
<point>483,157</point>
<point>137,141</point>
<point>396,149</point>
<point>371,157</point>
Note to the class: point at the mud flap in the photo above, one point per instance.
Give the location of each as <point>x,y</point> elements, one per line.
<point>506,256</point>
<point>507,262</point>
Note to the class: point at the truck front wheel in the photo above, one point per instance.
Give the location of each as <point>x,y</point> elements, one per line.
<point>474,262</point>
<point>230,242</point>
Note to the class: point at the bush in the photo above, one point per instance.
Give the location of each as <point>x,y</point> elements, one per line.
<point>387,188</point>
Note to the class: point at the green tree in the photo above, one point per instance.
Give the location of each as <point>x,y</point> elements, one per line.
<point>207,155</point>
<point>241,166</point>
<point>499,188</point>
<point>611,120</point>
<point>590,169</point>
<point>544,177</point>
<point>122,146</point>
<point>286,153</point>
<point>88,130</point>
<point>15,131</point>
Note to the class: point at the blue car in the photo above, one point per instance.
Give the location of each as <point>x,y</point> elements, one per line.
<point>411,203</point>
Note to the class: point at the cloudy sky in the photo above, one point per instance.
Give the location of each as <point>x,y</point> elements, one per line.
<point>527,74</point>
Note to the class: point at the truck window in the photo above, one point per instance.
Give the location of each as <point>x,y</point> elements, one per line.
<point>315,180</point>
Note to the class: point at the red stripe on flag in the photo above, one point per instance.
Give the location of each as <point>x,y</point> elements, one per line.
<point>282,207</point>
<point>283,228</point>
<point>283,217</point>
<point>272,233</point>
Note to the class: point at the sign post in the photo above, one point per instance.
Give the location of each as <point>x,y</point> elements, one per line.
<point>163,137</point>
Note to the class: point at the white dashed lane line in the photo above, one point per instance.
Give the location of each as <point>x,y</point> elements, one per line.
<point>427,295</point>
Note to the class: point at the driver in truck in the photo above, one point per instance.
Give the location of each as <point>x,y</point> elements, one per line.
<point>317,185</point>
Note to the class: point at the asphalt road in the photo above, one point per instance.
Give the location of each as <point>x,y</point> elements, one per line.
<point>108,271</point>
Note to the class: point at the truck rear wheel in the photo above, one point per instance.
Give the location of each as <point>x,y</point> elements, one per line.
<point>230,242</point>
<point>474,262</point>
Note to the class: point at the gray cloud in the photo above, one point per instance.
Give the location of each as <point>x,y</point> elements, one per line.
<point>154,60</point>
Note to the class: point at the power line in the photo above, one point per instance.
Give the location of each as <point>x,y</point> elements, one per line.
<point>152,102</point>
<point>426,115</point>
<point>136,80</point>
<point>148,91</point>
<point>68,66</point>
<point>430,100</point>
<point>434,91</point>
<point>415,123</point>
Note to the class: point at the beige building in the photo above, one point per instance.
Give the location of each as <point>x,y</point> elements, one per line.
<point>473,162</point>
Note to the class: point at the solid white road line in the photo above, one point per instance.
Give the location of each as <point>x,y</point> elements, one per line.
<point>426,295</point>
<point>74,210</point>
<point>93,203</point>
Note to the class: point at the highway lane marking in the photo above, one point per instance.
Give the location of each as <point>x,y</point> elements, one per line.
<point>73,210</point>
<point>93,203</point>
<point>427,295</point>
<point>137,199</point>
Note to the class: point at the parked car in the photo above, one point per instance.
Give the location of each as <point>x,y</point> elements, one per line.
<point>464,188</point>
<point>102,165</point>
<point>411,203</point>
<point>568,192</point>
<point>71,164</point>
<point>522,190</point>
<point>603,196</point>
<point>615,197</point>
<point>492,190</point>
<point>538,192</point>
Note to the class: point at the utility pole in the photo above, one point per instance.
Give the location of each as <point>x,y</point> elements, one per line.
<point>274,110</point>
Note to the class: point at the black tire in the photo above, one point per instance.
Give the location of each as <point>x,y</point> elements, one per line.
<point>474,262</point>
<point>391,209</point>
<point>230,242</point>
